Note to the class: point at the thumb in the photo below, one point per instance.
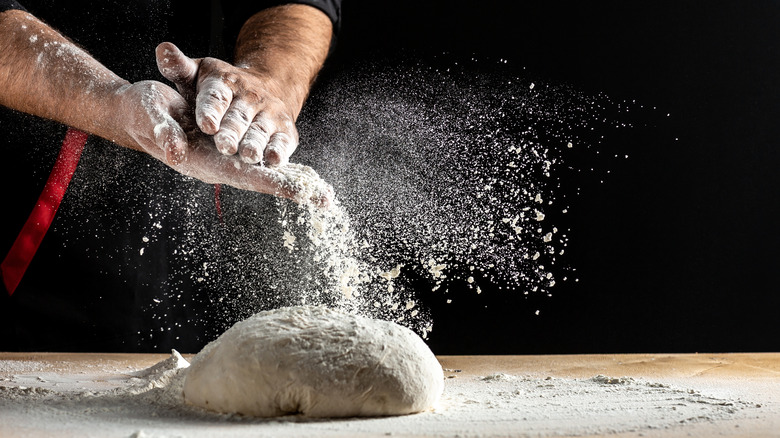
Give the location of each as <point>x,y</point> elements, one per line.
<point>177,68</point>
<point>170,137</point>
<point>168,133</point>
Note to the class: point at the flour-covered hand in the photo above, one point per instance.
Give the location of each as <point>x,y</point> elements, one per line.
<point>150,113</point>
<point>290,180</point>
<point>247,112</point>
<point>156,118</point>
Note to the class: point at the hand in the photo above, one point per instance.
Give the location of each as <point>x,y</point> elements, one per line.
<point>247,113</point>
<point>294,181</point>
<point>155,117</point>
<point>150,113</point>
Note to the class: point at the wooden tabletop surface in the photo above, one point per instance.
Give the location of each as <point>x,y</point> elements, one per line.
<point>753,376</point>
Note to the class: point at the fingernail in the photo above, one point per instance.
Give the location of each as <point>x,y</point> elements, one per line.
<point>207,124</point>
<point>273,156</point>
<point>251,156</point>
<point>226,143</point>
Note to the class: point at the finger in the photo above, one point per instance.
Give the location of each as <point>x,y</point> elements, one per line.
<point>293,181</point>
<point>214,97</point>
<point>255,140</point>
<point>177,68</point>
<point>171,139</point>
<point>279,148</point>
<point>233,126</point>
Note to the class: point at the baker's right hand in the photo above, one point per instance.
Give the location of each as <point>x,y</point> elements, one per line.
<point>248,112</point>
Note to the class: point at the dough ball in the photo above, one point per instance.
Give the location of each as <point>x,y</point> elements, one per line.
<point>317,362</point>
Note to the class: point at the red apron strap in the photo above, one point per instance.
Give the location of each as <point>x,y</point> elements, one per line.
<point>29,239</point>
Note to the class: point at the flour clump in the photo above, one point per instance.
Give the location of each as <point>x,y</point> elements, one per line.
<point>317,362</point>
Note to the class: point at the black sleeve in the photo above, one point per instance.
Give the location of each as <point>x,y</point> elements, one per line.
<point>237,12</point>
<point>10,4</point>
<point>330,7</point>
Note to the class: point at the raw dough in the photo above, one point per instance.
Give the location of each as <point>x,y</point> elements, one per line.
<point>317,362</point>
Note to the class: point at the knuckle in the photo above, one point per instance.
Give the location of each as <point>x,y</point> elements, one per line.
<point>209,65</point>
<point>280,142</point>
<point>225,136</point>
<point>255,139</point>
<point>236,118</point>
<point>229,77</point>
<point>254,97</point>
<point>264,124</point>
<point>243,117</point>
<point>217,95</point>
<point>259,130</point>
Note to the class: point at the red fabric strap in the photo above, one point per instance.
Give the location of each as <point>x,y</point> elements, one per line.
<point>29,239</point>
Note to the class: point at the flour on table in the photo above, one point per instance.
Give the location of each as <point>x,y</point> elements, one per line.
<point>111,400</point>
<point>317,362</point>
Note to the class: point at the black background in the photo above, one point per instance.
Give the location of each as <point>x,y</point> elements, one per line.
<point>677,251</point>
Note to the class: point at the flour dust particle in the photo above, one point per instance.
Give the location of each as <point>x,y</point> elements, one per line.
<point>453,174</point>
<point>443,173</point>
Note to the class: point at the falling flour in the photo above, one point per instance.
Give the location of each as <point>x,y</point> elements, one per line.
<point>455,177</point>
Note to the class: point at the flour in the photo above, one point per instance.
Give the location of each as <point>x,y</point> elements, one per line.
<point>64,56</point>
<point>21,366</point>
<point>422,164</point>
<point>289,240</point>
<point>436,181</point>
<point>149,403</point>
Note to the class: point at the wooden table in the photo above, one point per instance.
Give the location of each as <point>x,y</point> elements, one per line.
<point>748,384</point>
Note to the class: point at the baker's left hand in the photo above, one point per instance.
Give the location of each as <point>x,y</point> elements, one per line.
<point>247,112</point>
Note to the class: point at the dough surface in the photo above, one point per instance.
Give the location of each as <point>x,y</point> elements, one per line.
<point>317,362</point>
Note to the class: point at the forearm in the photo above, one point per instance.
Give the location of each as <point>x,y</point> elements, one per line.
<point>287,44</point>
<point>44,74</point>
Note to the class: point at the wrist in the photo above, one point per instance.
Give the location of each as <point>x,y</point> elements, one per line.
<point>117,108</point>
<point>109,120</point>
<point>290,89</point>
<point>286,46</point>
